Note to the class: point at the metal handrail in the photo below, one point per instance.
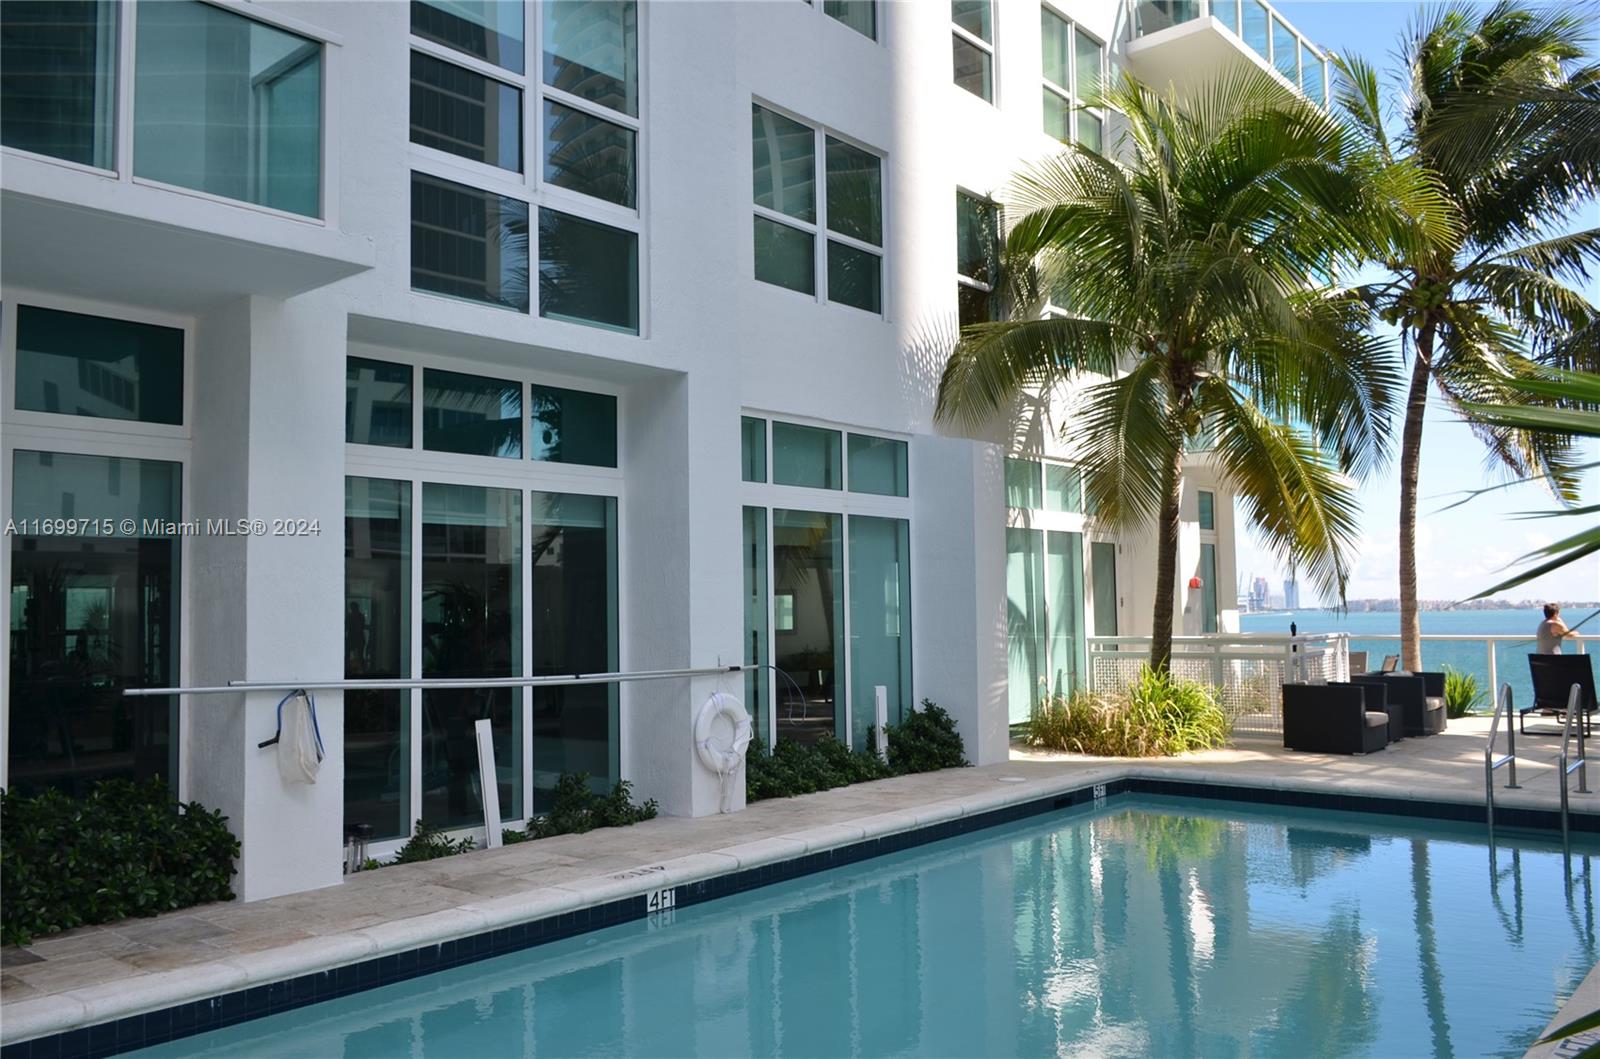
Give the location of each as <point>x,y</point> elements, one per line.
<point>1581,765</point>
<point>236,687</point>
<point>1491,763</point>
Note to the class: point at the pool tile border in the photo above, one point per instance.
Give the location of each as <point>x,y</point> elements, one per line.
<point>948,821</point>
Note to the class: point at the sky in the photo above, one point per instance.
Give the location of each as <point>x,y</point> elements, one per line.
<point>1468,548</point>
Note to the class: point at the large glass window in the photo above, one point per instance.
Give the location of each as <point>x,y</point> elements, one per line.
<point>229,106</point>
<point>491,30</point>
<point>572,426</point>
<point>573,613</point>
<point>877,465</point>
<point>977,258</point>
<point>471,627</point>
<point>589,154</point>
<point>377,643</point>
<point>91,616</point>
<point>588,272</point>
<point>1073,61</point>
<point>456,110</point>
<point>756,644</point>
<point>808,623</point>
<point>468,243</point>
<point>974,46</point>
<point>591,49</point>
<point>805,456</point>
<point>58,78</point>
<point>880,609</point>
<point>855,210</point>
<point>471,414</point>
<point>83,365</point>
<point>859,15</point>
<point>377,403</point>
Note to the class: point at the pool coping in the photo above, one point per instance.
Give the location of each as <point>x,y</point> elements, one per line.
<point>118,1016</point>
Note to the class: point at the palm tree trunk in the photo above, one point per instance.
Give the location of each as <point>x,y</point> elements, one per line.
<point>1166,565</point>
<point>1410,463</point>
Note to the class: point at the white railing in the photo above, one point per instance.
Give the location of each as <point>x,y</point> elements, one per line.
<point>1242,18</point>
<point>1247,670</point>
<point>1489,640</point>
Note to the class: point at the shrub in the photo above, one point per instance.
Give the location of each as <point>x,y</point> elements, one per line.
<point>127,849</point>
<point>1461,692</point>
<point>576,809</point>
<point>925,741</point>
<point>1154,716</point>
<point>428,843</point>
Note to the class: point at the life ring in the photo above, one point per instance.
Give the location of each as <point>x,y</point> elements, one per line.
<point>724,761</point>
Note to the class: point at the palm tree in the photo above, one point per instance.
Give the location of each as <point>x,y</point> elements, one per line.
<point>1196,262</point>
<point>1501,115</point>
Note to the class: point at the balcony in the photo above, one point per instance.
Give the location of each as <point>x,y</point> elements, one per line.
<point>1182,43</point>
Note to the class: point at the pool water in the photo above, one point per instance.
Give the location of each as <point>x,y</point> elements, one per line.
<point>1149,926</point>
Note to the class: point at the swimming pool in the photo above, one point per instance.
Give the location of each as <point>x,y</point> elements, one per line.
<point>1150,925</point>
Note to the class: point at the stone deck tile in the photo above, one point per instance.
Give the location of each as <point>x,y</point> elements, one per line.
<point>114,969</point>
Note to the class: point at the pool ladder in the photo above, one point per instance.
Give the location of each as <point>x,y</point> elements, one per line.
<point>1491,763</point>
<point>1568,764</point>
<point>1580,765</point>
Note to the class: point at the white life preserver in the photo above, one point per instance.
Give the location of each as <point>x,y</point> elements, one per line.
<point>723,760</point>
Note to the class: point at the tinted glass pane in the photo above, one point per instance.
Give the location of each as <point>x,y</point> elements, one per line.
<point>1063,488</point>
<point>468,243</point>
<point>377,403</point>
<point>572,426</point>
<point>1103,569</point>
<point>855,277</point>
<point>84,365</point>
<point>974,16</point>
<point>1057,115</point>
<point>974,69</point>
<point>573,611</point>
<point>784,164</point>
<point>877,465</point>
<point>784,256</point>
<point>1208,588</point>
<point>377,643</point>
<point>808,624</point>
<point>880,621</point>
<point>1025,630</point>
<point>1057,42</point>
<point>591,49</point>
<point>471,627</point>
<point>807,456</point>
<point>471,414</point>
<point>1227,12</point>
<point>489,29</point>
<point>58,64</point>
<point>1208,510</point>
<point>587,154</point>
<point>1311,73</point>
<point>977,237</point>
<point>90,616</point>
<point>588,272</point>
<point>228,106</point>
<point>1091,131</point>
<point>456,110</point>
<point>1255,26</point>
<point>753,449</point>
<point>974,305</point>
<point>756,644</point>
<point>1285,51</point>
<point>855,192</point>
<point>1088,69</point>
<point>1063,567</point>
<point>859,15</point>
<point>1024,484</point>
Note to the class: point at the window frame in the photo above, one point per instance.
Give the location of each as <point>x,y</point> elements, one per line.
<point>1068,93</point>
<point>843,503</point>
<point>991,47</point>
<point>962,279</point>
<point>528,184</point>
<point>818,229</point>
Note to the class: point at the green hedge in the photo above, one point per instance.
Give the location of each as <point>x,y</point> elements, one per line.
<point>125,850</point>
<point>925,742</point>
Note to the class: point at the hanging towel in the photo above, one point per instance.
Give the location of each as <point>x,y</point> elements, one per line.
<point>299,741</point>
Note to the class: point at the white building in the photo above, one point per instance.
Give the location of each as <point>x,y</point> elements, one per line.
<point>273,262</point>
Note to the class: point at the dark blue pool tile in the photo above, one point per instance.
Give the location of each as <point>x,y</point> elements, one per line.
<point>157,1026</point>
<point>102,1039</point>
<point>74,1044</point>
<point>46,1048</point>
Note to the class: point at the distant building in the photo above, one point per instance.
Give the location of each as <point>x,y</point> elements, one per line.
<point>1259,590</point>
<point>1291,594</point>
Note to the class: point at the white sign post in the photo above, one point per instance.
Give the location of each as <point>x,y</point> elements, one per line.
<point>488,784</point>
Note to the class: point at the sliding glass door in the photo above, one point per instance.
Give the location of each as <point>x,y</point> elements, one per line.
<point>808,622</point>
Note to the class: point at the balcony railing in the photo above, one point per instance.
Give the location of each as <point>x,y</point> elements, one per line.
<point>1257,25</point>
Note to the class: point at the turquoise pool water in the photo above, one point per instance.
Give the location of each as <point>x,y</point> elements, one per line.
<point>1151,926</point>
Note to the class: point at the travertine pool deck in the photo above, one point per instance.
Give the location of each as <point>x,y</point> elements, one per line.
<point>95,974</point>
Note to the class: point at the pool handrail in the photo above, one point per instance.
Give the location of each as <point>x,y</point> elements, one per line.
<point>1491,763</point>
<point>1581,765</point>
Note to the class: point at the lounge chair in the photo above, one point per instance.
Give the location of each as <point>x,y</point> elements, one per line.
<point>1553,677</point>
<point>1331,719</point>
<point>1377,697</point>
<point>1409,690</point>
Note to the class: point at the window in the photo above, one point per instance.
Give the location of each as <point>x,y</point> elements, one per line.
<point>470,414</point>
<point>977,259</point>
<point>880,609</point>
<point>753,449</point>
<point>1073,68</point>
<point>58,79</point>
<point>877,465</point>
<point>1063,488</point>
<point>583,188</point>
<point>228,106</point>
<point>1208,510</point>
<point>1208,588</point>
<point>1047,649</point>
<point>468,243</point>
<point>805,456</point>
<point>377,403</point>
<point>973,22</point>
<point>859,15</point>
<point>1024,484</point>
<point>454,109</point>
<point>572,426</point>
<point>1103,572</point>
<point>784,164</point>
<point>81,365</point>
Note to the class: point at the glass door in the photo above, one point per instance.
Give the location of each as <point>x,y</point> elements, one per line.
<point>808,623</point>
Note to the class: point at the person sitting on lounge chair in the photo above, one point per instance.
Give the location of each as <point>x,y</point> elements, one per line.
<point>1552,631</point>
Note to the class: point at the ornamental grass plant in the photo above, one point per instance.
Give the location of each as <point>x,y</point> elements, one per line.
<point>1157,715</point>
